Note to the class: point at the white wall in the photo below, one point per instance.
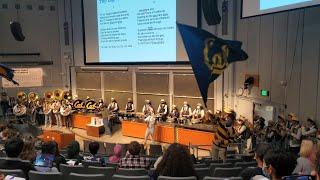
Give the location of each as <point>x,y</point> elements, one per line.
<point>282,47</point>
<point>44,34</point>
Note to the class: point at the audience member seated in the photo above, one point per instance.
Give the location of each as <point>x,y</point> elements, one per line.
<point>176,162</point>
<point>306,161</point>
<point>28,151</point>
<point>46,157</point>
<point>250,172</point>
<point>277,164</point>
<point>58,158</point>
<point>73,152</point>
<point>317,169</point>
<point>164,149</point>
<point>133,159</point>
<point>116,154</point>
<point>93,148</point>
<point>13,148</point>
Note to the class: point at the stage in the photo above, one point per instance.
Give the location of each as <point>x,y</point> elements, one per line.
<point>127,131</point>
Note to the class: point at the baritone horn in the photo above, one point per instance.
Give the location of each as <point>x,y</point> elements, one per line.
<point>33,97</point>
<point>57,94</point>
<point>22,97</point>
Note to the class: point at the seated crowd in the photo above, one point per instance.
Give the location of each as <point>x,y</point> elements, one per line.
<point>272,162</point>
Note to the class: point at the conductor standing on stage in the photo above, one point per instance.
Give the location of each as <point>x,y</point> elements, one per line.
<point>151,121</point>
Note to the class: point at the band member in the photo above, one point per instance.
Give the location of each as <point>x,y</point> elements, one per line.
<point>151,121</point>
<point>174,114</point>
<point>113,106</point>
<point>230,116</point>
<point>309,130</point>
<point>39,112</point>
<point>162,110</point>
<point>198,114</point>
<point>56,105</point>
<point>221,141</point>
<point>129,109</point>
<point>100,104</point>
<point>258,130</point>
<point>106,120</point>
<point>66,111</point>
<point>271,132</point>
<point>147,109</point>
<point>185,113</point>
<point>20,111</point>
<point>4,103</point>
<point>47,111</point>
<point>295,135</point>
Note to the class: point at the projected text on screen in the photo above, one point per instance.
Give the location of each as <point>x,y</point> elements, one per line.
<point>136,31</point>
<point>269,4</point>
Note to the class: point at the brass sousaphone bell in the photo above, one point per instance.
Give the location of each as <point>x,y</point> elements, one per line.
<point>22,97</point>
<point>67,95</point>
<point>58,94</point>
<point>48,95</point>
<point>33,97</point>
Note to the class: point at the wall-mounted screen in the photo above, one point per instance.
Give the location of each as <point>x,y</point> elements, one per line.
<point>136,32</point>
<point>259,7</point>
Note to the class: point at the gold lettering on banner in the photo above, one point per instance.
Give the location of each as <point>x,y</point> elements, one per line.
<point>91,105</point>
<point>78,104</point>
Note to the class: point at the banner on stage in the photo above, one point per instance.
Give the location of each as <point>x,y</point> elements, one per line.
<point>26,77</point>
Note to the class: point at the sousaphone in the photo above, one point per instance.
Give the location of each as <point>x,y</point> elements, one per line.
<point>20,109</point>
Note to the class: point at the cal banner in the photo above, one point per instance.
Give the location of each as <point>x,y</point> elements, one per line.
<point>78,105</point>
<point>26,77</point>
<point>91,106</point>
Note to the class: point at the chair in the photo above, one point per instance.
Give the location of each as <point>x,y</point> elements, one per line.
<point>155,150</point>
<point>200,165</point>
<point>132,172</point>
<point>233,160</point>
<point>115,165</point>
<point>244,165</point>
<point>91,163</point>
<point>217,178</point>
<point>202,172</point>
<point>13,172</point>
<point>209,161</point>
<point>106,171</point>
<point>66,170</point>
<point>227,172</point>
<point>77,176</point>
<point>122,177</point>
<point>213,166</point>
<point>177,178</point>
<point>36,175</point>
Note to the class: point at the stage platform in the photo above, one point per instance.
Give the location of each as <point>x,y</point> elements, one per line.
<point>197,134</point>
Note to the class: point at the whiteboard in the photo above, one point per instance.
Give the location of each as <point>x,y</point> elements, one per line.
<point>26,77</point>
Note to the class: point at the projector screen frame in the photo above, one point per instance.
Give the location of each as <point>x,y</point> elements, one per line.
<point>199,25</point>
<point>241,11</point>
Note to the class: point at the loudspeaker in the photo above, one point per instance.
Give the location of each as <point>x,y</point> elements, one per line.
<point>16,31</point>
<point>211,12</point>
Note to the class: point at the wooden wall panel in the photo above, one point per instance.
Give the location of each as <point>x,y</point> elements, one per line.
<point>95,94</point>
<point>278,56</point>
<point>153,83</point>
<point>88,80</point>
<point>293,61</point>
<point>119,81</point>
<point>266,30</point>
<point>311,38</point>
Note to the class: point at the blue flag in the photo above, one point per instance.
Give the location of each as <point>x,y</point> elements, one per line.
<point>7,73</point>
<point>209,55</point>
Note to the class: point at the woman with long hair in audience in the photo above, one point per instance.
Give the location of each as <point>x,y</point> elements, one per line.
<point>176,162</point>
<point>73,152</point>
<point>306,161</point>
<point>116,154</point>
<point>28,151</point>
